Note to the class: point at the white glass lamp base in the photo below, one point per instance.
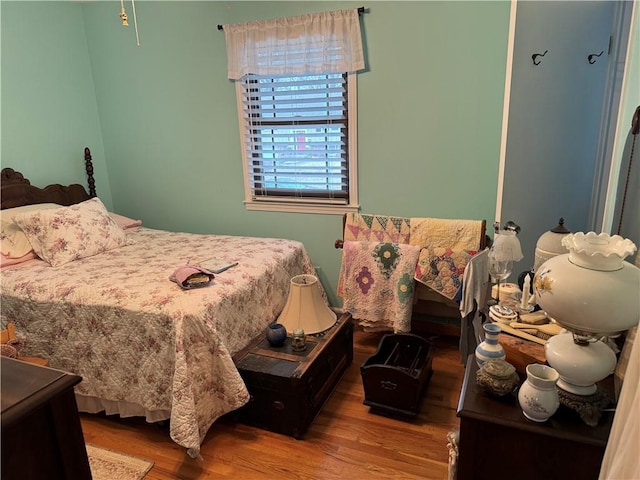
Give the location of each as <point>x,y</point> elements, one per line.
<point>580,366</point>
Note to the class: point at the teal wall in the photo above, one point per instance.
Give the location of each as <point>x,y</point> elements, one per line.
<point>429,111</point>
<point>49,112</point>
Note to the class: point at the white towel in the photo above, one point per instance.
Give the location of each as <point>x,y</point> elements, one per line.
<point>474,283</point>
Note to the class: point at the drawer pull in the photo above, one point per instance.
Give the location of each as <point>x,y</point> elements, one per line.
<point>278,405</point>
<point>387,385</point>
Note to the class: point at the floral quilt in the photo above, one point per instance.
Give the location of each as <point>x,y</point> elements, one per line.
<point>447,245</point>
<point>376,284</point>
<point>138,338</point>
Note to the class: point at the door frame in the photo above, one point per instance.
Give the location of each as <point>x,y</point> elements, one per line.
<point>612,132</point>
<point>613,135</point>
<point>505,111</point>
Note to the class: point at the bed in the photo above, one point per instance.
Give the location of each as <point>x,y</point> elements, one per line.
<point>143,345</point>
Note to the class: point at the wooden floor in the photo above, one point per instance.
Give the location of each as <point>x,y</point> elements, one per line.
<point>345,441</point>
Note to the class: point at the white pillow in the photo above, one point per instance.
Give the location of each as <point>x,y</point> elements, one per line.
<point>13,242</point>
<point>64,234</point>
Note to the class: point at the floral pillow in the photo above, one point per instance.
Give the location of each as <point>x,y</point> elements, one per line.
<point>64,234</point>
<point>13,242</point>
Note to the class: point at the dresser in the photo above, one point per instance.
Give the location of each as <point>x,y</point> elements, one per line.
<point>41,431</point>
<point>289,388</point>
<point>498,442</point>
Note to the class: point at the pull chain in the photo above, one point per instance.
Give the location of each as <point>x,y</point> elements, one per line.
<point>634,131</point>
<point>123,15</point>
<point>125,18</point>
<point>135,21</point>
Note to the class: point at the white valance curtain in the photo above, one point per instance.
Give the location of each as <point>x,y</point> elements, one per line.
<point>327,42</point>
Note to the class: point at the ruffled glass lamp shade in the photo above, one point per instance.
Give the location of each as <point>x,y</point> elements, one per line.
<point>592,292</point>
<point>506,246</point>
<point>504,251</point>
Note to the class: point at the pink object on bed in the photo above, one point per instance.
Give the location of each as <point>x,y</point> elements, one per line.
<point>185,273</point>
<point>125,222</point>
<point>8,261</point>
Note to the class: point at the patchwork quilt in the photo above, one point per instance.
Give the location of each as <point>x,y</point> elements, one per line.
<point>376,283</point>
<point>377,228</point>
<point>446,245</point>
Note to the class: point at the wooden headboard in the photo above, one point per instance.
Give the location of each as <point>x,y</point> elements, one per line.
<point>17,191</point>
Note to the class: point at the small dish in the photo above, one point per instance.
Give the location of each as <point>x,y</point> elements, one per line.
<point>503,313</point>
<point>505,321</point>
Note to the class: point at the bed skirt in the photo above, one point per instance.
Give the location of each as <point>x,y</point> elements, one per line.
<point>88,404</point>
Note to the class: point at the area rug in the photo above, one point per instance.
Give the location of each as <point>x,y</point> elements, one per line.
<point>453,438</point>
<point>109,465</point>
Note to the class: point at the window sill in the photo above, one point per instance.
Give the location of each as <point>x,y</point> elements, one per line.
<point>301,208</point>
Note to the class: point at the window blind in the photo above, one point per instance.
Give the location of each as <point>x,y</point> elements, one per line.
<point>297,137</point>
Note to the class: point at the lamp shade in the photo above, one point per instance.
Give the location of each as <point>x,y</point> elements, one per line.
<point>592,292</point>
<point>591,289</point>
<point>506,247</point>
<point>305,307</point>
<point>550,244</point>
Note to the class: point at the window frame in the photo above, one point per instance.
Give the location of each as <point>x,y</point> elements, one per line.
<point>305,205</point>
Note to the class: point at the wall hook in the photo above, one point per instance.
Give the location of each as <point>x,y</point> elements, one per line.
<point>535,56</point>
<point>590,57</point>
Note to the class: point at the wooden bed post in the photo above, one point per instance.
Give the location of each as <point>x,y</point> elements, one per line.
<point>89,168</point>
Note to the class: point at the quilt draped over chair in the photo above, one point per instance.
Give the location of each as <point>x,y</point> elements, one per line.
<point>376,283</point>
<point>447,246</point>
<point>383,255</point>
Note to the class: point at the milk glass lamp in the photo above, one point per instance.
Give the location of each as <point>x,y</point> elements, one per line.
<point>550,244</point>
<point>593,293</point>
<point>305,308</point>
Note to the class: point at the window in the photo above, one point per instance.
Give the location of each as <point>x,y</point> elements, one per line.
<point>298,145</point>
<point>296,89</point>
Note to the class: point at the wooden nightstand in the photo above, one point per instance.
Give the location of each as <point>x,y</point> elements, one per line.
<point>498,442</point>
<point>288,388</point>
<point>41,431</point>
